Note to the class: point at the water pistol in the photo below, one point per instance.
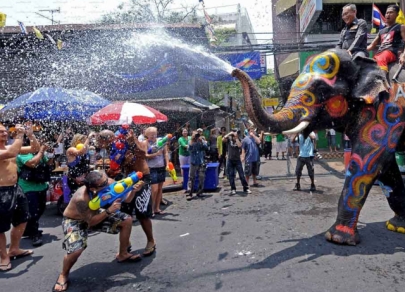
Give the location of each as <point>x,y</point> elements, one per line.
<point>160,143</point>
<point>172,172</point>
<point>119,147</point>
<point>116,190</point>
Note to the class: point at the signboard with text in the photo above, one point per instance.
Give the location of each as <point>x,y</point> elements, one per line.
<point>308,13</point>
<point>270,101</point>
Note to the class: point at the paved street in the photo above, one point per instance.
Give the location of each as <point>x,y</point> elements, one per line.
<point>272,240</point>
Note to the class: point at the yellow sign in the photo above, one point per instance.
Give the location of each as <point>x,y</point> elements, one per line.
<point>3,18</point>
<point>270,102</point>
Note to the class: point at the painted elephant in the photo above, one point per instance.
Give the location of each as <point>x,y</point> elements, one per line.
<point>354,96</point>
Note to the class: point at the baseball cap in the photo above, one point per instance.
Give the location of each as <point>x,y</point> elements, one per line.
<point>199,130</point>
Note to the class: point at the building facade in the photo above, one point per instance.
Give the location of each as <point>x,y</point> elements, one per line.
<point>233,18</point>
<point>315,23</point>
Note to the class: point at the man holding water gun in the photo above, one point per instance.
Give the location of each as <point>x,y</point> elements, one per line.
<point>78,218</point>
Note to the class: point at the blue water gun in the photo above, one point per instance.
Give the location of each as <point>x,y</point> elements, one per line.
<point>117,190</point>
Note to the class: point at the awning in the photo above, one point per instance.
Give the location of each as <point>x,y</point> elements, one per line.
<point>284,5</point>
<point>289,66</point>
<point>180,104</point>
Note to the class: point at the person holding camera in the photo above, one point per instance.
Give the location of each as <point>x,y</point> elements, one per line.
<point>197,147</point>
<point>234,163</point>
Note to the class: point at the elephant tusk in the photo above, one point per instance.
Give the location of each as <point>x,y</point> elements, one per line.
<point>297,129</point>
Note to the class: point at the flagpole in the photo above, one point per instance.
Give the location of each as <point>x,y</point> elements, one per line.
<point>372,16</point>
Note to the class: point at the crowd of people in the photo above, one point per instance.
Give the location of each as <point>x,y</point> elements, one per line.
<point>28,159</point>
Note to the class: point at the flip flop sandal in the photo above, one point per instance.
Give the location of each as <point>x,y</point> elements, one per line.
<point>6,269</point>
<point>66,285</point>
<point>149,251</point>
<point>133,258</point>
<point>21,255</point>
<point>164,203</point>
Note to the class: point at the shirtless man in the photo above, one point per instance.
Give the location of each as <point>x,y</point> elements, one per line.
<point>13,203</point>
<point>105,138</point>
<point>77,218</point>
<point>135,160</point>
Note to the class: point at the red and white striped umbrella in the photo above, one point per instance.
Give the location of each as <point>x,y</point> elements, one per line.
<point>119,113</point>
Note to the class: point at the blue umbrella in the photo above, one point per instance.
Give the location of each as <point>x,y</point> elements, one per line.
<point>55,104</point>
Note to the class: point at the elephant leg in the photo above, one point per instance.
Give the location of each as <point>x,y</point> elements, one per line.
<point>392,178</point>
<point>358,182</point>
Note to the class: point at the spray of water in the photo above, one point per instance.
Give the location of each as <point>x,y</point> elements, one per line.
<point>117,64</point>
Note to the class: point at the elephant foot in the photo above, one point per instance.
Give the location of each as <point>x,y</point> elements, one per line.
<point>341,234</point>
<point>396,224</point>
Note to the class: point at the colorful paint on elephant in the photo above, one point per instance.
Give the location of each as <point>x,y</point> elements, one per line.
<point>302,99</point>
<point>378,138</point>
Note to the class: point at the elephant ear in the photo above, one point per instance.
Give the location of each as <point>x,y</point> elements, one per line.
<point>371,80</point>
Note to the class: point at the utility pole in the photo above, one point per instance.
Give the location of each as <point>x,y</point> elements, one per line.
<point>52,11</point>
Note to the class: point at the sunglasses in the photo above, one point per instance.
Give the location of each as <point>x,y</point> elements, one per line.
<point>104,184</point>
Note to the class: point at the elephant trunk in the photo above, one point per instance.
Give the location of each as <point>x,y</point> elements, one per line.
<point>284,120</point>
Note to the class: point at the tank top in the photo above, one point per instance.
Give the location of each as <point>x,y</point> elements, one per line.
<point>157,161</point>
<point>213,141</point>
<point>390,38</point>
<point>79,166</point>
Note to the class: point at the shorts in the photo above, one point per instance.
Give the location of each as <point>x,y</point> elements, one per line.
<point>76,231</point>
<point>331,140</point>
<point>157,175</point>
<point>142,202</point>
<point>184,160</point>
<point>13,207</point>
<point>281,146</point>
<point>384,58</point>
<point>309,162</point>
<point>252,168</point>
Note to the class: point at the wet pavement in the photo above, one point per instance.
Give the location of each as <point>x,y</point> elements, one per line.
<point>271,240</point>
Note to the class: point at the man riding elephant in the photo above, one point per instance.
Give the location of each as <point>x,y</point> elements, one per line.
<point>390,40</point>
<point>353,37</point>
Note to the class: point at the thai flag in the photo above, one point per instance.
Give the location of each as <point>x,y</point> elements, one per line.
<point>378,18</point>
<point>22,27</point>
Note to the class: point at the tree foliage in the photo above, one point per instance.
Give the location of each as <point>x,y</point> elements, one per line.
<point>223,35</point>
<point>267,86</point>
<point>151,11</point>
